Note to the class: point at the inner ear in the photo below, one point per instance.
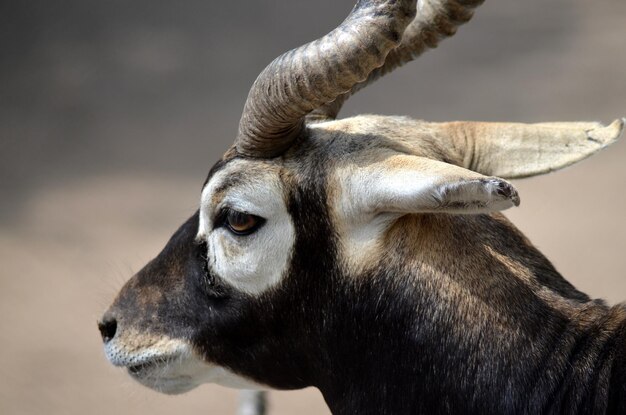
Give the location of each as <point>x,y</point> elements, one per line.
<point>411,184</point>
<point>515,150</point>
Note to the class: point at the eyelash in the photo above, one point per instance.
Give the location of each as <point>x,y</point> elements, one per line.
<point>222,221</point>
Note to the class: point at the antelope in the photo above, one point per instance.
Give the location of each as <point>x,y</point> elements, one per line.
<point>367,256</point>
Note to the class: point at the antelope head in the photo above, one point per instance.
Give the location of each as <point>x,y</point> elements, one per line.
<point>354,252</point>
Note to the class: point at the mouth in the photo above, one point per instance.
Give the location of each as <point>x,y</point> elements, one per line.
<point>142,368</point>
<point>148,367</point>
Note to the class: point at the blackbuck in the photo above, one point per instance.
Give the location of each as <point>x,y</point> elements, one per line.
<point>367,256</point>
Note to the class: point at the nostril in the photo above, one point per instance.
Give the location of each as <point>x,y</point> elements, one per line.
<point>107,327</point>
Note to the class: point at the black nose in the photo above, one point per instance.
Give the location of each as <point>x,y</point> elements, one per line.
<point>107,327</point>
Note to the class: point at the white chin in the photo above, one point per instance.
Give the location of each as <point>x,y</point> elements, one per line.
<point>168,386</point>
<point>186,372</point>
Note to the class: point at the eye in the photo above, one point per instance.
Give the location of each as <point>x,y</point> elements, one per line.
<point>241,223</point>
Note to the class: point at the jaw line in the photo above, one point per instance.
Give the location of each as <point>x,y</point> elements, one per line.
<point>168,374</point>
<point>174,369</point>
<point>158,379</point>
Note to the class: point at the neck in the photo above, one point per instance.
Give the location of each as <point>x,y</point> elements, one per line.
<point>584,373</point>
<point>508,336</point>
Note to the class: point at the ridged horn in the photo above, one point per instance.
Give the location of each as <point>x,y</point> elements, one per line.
<point>305,78</point>
<point>435,21</point>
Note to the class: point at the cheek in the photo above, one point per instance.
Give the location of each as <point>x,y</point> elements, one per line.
<point>253,263</point>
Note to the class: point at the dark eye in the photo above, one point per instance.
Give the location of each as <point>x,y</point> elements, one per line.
<point>241,223</point>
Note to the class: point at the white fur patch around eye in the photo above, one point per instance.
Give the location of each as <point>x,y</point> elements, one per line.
<point>251,263</point>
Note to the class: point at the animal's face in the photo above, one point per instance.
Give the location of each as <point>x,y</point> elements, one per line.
<point>207,302</point>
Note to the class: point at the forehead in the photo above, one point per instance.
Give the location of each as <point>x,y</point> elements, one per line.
<point>238,180</point>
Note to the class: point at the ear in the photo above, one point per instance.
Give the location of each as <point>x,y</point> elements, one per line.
<point>411,184</point>
<point>513,150</point>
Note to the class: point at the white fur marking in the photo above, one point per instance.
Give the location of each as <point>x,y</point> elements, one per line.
<point>258,261</point>
<point>174,367</point>
<point>374,193</point>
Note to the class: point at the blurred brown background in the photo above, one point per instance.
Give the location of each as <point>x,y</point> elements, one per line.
<point>111,114</point>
